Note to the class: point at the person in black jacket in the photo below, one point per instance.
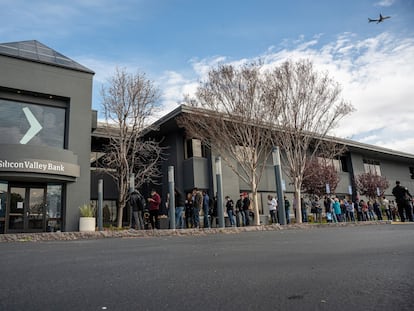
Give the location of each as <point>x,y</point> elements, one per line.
<point>403,199</point>
<point>246,206</point>
<point>239,211</point>
<point>230,210</point>
<point>188,206</point>
<point>137,203</point>
<point>179,209</point>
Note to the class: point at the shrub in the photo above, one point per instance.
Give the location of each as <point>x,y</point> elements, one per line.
<point>86,210</point>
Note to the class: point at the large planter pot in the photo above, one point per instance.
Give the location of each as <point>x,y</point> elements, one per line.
<point>87,224</point>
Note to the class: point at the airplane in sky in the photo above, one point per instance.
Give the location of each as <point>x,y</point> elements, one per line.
<point>379,20</point>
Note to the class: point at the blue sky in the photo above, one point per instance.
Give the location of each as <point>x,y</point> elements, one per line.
<point>176,42</point>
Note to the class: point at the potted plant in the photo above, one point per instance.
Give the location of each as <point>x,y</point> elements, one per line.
<point>87,218</point>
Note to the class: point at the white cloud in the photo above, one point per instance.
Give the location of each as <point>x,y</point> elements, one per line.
<point>385,3</point>
<point>376,75</point>
<point>174,86</point>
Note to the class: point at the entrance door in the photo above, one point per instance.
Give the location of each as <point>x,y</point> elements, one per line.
<point>27,209</point>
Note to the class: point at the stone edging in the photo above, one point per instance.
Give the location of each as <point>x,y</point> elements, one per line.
<point>70,236</point>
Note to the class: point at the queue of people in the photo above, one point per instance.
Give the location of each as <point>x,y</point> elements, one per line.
<point>346,210</point>
<point>189,209</point>
<point>196,204</point>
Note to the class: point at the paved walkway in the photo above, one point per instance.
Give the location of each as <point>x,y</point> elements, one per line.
<point>66,236</point>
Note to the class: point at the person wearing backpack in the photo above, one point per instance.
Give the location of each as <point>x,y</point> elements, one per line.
<point>137,203</point>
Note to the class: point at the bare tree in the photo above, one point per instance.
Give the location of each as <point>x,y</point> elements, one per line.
<point>371,184</point>
<point>128,101</point>
<point>230,121</point>
<point>306,106</point>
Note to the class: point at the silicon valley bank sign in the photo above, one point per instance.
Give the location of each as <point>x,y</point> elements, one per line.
<point>40,166</point>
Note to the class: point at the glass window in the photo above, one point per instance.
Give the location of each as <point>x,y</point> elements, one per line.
<point>344,164</point>
<point>31,124</point>
<point>54,208</point>
<point>372,166</point>
<point>3,201</point>
<point>193,148</point>
<point>109,211</point>
<point>331,162</point>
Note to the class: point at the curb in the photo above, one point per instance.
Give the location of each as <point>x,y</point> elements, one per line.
<point>72,236</point>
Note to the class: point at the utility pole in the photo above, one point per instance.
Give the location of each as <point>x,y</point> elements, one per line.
<point>278,175</point>
<point>172,196</point>
<point>220,211</point>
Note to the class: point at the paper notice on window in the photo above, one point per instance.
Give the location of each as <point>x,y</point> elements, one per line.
<point>20,205</point>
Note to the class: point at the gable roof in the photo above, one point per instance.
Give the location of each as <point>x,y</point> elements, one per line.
<point>350,144</point>
<point>37,52</point>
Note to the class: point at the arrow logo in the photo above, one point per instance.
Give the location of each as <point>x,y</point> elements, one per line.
<point>35,126</point>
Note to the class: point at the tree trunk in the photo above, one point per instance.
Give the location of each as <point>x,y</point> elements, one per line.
<point>255,201</point>
<point>298,202</point>
<point>256,209</point>
<point>120,216</point>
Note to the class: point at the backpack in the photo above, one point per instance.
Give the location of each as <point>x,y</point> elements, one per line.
<point>142,204</point>
<point>211,202</point>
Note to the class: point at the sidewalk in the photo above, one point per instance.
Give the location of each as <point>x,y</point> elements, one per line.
<point>131,233</point>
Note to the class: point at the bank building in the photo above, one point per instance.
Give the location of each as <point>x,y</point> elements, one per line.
<point>45,138</point>
<point>50,142</point>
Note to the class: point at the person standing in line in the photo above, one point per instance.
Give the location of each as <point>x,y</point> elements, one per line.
<point>239,212</point>
<point>272,204</point>
<point>327,203</point>
<point>370,211</point>
<point>287,210</point>
<point>349,206</point>
<point>394,211</point>
<point>136,200</point>
<point>246,207</point>
<point>197,206</point>
<point>189,211</point>
<point>364,209</point>
<point>304,209</point>
<point>387,209</point>
<point>337,210</point>
<point>230,211</point>
<point>316,206</point>
<point>213,211</point>
<point>154,208</point>
<point>403,198</point>
<point>343,203</point>
<point>377,210</point>
<point>206,209</point>
<point>358,207</point>
<point>179,209</point>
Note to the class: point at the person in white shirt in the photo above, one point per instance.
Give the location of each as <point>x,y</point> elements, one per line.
<point>272,204</point>
<point>386,204</point>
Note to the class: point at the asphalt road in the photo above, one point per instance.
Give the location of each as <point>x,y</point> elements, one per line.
<point>347,268</point>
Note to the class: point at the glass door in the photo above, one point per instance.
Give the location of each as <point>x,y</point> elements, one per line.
<point>27,209</point>
<point>36,209</point>
<point>17,206</point>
